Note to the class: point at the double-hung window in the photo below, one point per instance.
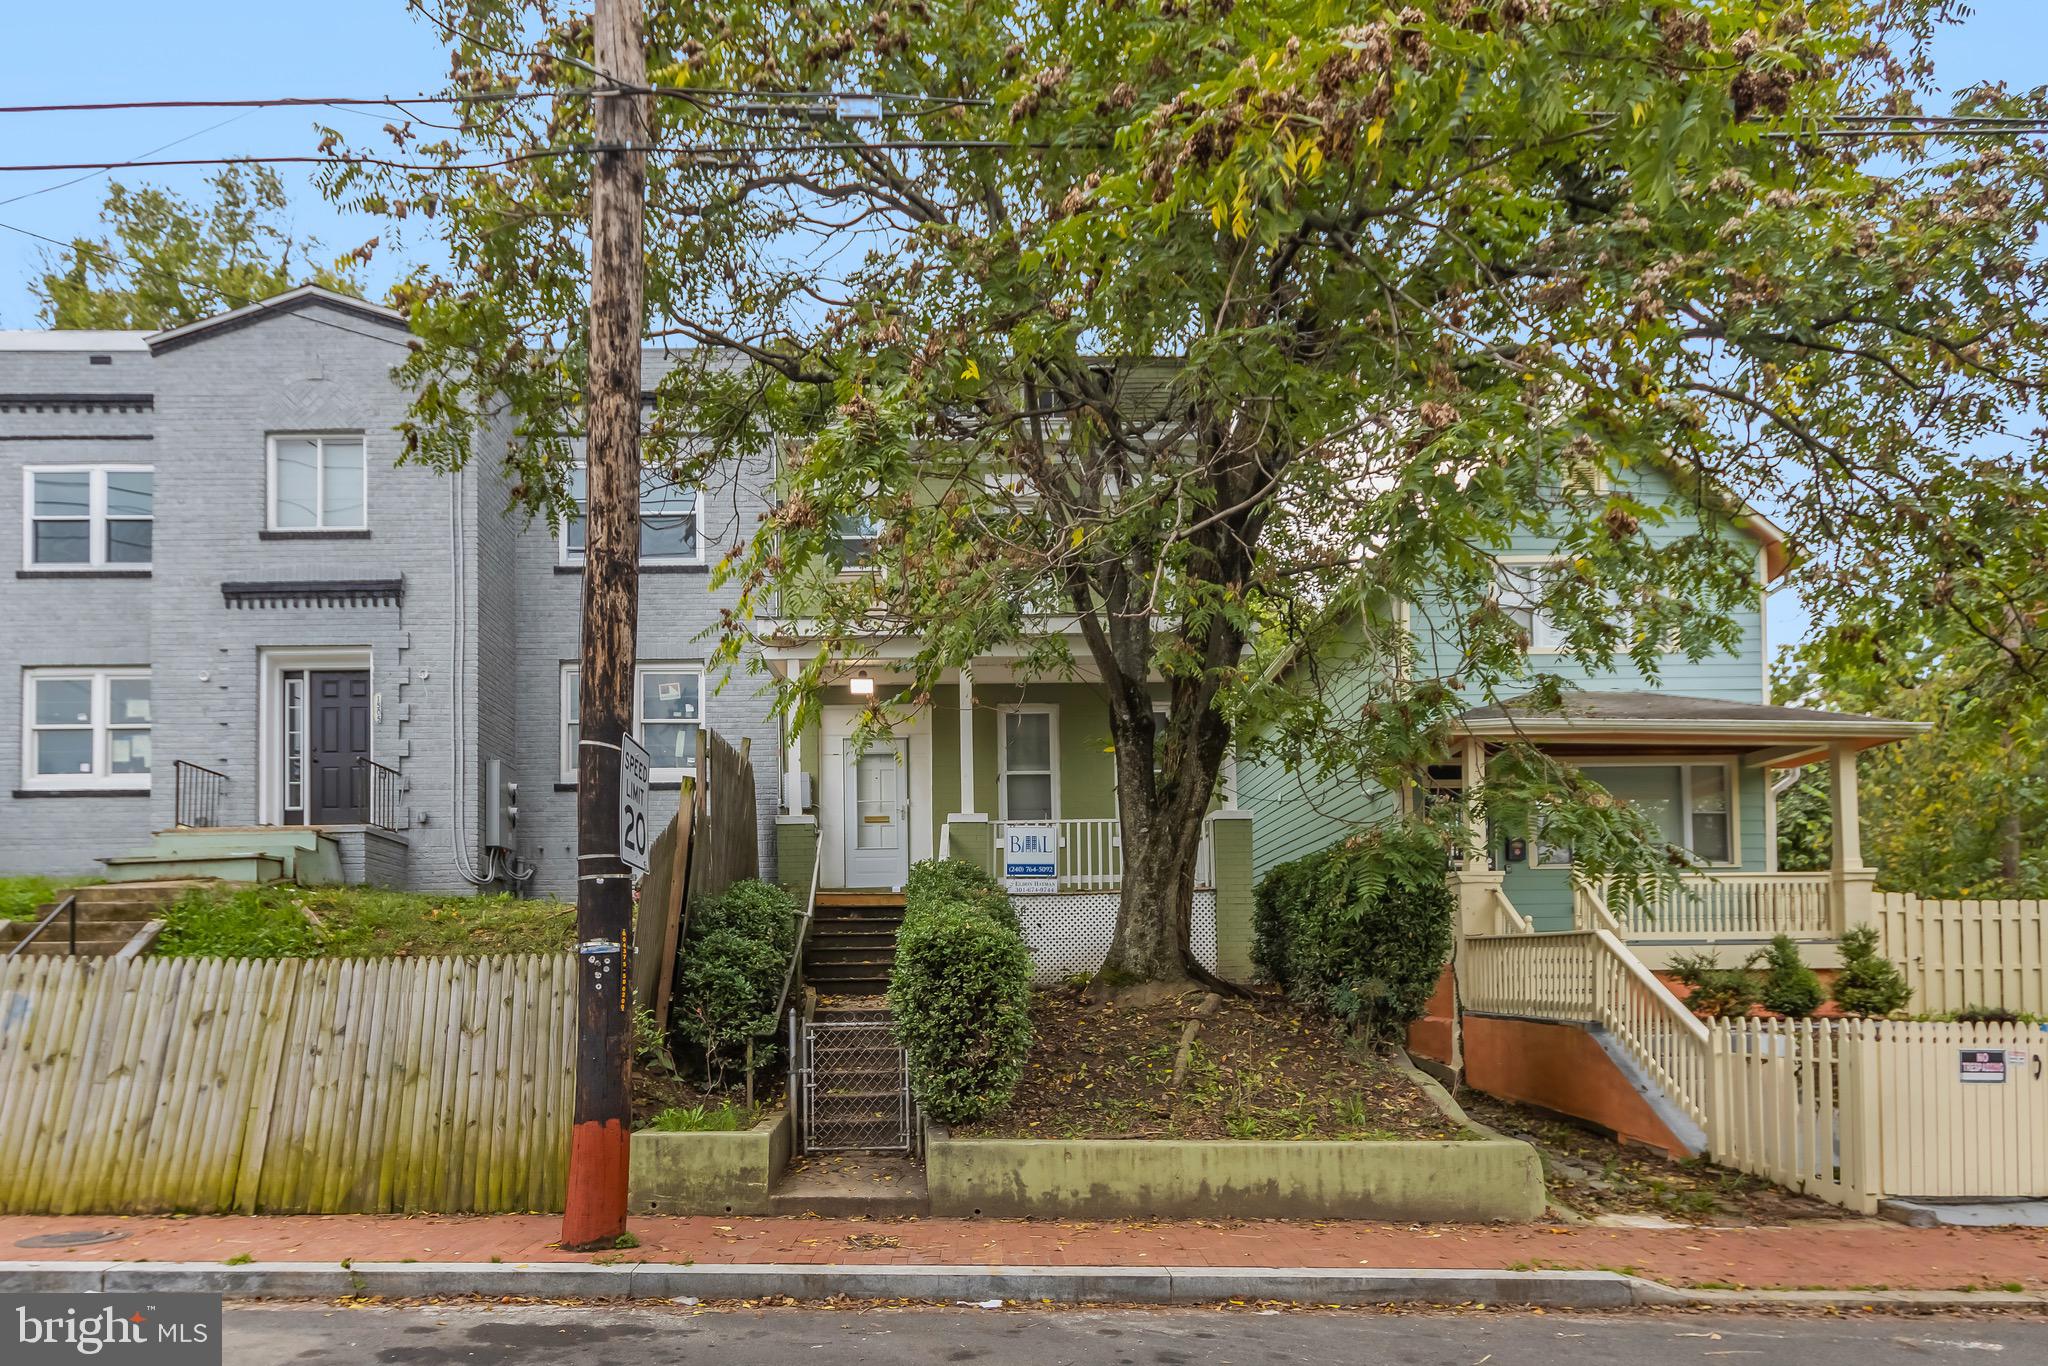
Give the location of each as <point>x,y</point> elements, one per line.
<point>318,483</point>
<point>1030,774</point>
<point>1691,804</point>
<point>670,531</point>
<point>85,728</point>
<point>1520,588</point>
<point>854,537</point>
<point>89,517</point>
<point>668,714</point>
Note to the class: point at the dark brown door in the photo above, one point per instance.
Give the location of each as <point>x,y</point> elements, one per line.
<point>338,735</point>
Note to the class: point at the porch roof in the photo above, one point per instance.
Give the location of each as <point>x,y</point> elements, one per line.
<point>1794,734</point>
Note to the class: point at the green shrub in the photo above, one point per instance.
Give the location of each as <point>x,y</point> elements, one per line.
<point>957,880</point>
<point>1789,986</point>
<point>1868,983</point>
<point>960,1000</point>
<point>1717,993</point>
<point>1361,930</point>
<point>723,1118</point>
<point>1990,1015</point>
<point>752,909</point>
<point>732,963</point>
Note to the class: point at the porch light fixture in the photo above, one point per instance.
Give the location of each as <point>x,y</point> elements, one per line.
<point>861,685</point>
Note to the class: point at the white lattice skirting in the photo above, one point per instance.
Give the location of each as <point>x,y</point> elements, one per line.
<point>1070,933</point>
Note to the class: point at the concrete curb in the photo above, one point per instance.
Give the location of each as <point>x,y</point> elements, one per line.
<point>946,1284</point>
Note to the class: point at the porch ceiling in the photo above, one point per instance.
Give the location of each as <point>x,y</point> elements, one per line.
<point>1782,735</point>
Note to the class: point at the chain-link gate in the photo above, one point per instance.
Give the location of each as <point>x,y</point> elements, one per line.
<point>855,1086</point>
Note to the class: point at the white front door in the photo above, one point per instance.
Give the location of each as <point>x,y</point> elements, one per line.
<point>877,824</point>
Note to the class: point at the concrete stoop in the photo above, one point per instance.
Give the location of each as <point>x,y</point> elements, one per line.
<point>840,1185</point>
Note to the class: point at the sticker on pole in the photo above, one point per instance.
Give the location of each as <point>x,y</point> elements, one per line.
<point>633,838</point>
<point>1981,1065</point>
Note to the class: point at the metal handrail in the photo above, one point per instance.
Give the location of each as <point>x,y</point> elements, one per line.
<point>69,903</point>
<point>380,792</point>
<point>196,803</point>
<point>803,934</point>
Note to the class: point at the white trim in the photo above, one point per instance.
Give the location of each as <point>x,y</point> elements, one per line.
<point>99,724</point>
<point>572,669</point>
<point>319,440</point>
<point>1051,711</point>
<point>272,665</point>
<point>1729,764</point>
<point>96,518</point>
<point>566,556</point>
<point>835,726</point>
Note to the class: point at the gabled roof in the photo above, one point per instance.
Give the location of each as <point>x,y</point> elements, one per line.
<point>1675,718</point>
<point>291,301</point>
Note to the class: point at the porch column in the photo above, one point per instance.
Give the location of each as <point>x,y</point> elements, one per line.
<point>792,768</point>
<point>966,807</point>
<point>1852,884</point>
<point>1229,777</point>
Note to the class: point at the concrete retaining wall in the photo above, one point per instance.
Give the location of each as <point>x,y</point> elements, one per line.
<point>708,1173</point>
<point>1561,1068</point>
<point>1475,1180</point>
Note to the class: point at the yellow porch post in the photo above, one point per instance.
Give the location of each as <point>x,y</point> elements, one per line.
<point>1852,884</point>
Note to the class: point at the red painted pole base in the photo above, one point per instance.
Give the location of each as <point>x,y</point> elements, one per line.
<point>594,1215</point>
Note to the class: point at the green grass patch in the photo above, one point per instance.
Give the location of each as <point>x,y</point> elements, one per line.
<point>726,1118</point>
<point>20,897</point>
<point>284,921</point>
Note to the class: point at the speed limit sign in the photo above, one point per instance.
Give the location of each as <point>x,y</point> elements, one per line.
<point>633,837</point>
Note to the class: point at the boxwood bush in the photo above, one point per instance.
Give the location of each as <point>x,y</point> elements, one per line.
<point>960,992</point>
<point>1360,931</point>
<point>951,879</point>
<point>736,949</point>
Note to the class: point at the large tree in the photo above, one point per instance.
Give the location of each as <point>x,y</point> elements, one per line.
<point>1218,331</point>
<point>171,261</point>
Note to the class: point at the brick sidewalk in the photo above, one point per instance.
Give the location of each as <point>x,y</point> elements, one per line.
<point>1832,1255</point>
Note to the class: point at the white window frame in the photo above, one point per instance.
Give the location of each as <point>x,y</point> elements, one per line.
<point>101,779</point>
<point>320,522</point>
<point>1051,712</point>
<point>96,519</point>
<point>1545,637</point>
<point>565,554</point>
<point>865,563</point>
<point>1727,763</point>
<point>570,680</point>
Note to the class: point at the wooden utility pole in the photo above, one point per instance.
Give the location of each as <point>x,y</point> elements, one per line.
<point>595,1212</point>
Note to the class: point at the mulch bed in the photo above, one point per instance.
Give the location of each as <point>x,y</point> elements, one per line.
<point>1259,1069</point>
<point>1594,1175</point>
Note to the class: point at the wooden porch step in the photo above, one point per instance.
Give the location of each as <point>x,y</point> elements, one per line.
<point>861,898</point>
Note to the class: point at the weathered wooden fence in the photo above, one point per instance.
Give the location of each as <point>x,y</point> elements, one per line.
<point>713,842</point>
<point>1968,953</point>
<point>1852,1110</point>
<point>289,1085</point>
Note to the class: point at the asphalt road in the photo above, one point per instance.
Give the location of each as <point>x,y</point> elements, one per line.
<point>259,1335</point>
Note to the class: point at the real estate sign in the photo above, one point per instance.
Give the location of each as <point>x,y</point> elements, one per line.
<point>1031,857</point>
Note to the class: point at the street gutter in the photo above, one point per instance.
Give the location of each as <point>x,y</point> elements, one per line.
<point>1062,1285</point>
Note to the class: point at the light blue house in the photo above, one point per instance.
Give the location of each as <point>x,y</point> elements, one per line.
<point>1699,748</point>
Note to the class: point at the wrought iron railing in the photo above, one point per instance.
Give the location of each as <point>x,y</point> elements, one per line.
<point>69,905</point>
<point>199,790</point>
<point>377,789</point>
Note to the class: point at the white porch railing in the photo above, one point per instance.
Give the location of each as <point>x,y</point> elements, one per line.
<point>1719,905</point>
<point>1091,853</point>
<point>1590,977</point>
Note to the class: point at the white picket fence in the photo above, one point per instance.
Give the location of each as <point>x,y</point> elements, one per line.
<point>1854,1110</point>
<point>1845,1110</point>
<point>1957,954</point>
<point>289,1085</point>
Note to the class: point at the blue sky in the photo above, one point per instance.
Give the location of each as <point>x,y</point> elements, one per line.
<point>147,49</point>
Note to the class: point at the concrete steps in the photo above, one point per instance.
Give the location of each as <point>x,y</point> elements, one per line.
<point>110,917</point>
<point>253,853</point>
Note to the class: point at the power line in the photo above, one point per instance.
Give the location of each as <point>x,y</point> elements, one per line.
<point>720,94</point>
